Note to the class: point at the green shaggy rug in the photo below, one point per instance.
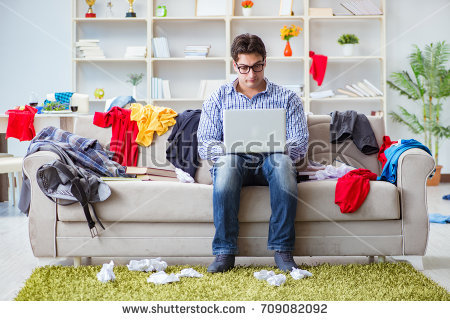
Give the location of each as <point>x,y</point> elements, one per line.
<point>355,282</point>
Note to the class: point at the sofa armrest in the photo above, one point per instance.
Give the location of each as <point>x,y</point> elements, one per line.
<point>42,215</point>
<point>414,167</point>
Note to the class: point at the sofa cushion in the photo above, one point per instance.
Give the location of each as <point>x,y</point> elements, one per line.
<point>136,201</point>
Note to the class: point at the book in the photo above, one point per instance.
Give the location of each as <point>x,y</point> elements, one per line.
<point>150,171</point>
<point>359,90</point>
<point>166,89</point>
<point>367,89</point>
<point>354,91</point>
<point>346,92</point>
<point>379,93</point>
<point>147,177</point>
<point>119,178</point>
<point>88,40</point>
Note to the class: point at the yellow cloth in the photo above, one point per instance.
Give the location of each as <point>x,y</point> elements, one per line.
<point>151,119</point>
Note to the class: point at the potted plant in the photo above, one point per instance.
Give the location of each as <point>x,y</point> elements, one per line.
<point>348,42</point>
<point>135,79</point>
<point>429,88</point>
<point>247,8</point>
<point>288,33</point>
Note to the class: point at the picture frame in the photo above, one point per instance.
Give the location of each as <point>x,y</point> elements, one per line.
<point>214,8</point>
<point>285,7</point>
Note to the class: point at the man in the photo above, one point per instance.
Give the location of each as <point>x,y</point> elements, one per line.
<point>251,90</point>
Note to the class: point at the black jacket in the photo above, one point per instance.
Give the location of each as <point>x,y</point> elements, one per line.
<point>182,149</point>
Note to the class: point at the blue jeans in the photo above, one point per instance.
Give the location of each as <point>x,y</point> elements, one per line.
<point>233,171</point>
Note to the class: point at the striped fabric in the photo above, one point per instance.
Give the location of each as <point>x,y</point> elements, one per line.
<point>210,129</point>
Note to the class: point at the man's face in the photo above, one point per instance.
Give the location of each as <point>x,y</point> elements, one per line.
<point>252,79</point>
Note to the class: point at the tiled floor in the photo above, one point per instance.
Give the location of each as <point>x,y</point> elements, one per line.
<point>17,260</point>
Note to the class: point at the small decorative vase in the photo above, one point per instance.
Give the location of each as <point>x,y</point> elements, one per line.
<point>287,49</point>
<point>247,12</point>
<point>134,91</point>
<point>347,49</point>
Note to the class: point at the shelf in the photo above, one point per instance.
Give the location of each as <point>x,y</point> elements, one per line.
<point>344,58</point>
<point>190,59</point>
<point>111,60</point>
<point>214,18</point>
<point>109,19</point>
<point>368,17</point>
<point>378,98</point>
<point>285,59</point>
<point>267,18</point>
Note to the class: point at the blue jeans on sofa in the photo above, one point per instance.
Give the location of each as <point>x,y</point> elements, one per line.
<point>233,171</point>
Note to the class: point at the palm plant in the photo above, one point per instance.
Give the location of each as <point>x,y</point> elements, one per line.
<point>429,88</point>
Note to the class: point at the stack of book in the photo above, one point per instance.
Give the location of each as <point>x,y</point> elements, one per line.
<point>160,88</point>
<point>135,52</point>
<point>161,47</point>
<point>89,49</point>
<point>360,89</point>
<point>361,7</point>
<point>195,52</point>
<point>153,174</point>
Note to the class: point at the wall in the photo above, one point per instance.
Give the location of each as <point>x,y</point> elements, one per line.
<point>37,36</point>
<point>408,23</point>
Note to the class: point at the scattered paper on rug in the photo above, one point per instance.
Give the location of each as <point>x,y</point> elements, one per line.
<point>162,278</point>
<point>106,273</point>
<point>147,265</point>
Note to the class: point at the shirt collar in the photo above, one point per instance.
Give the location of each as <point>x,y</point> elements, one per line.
<point>232,86</point>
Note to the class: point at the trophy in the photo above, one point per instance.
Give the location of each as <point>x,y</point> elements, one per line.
<point>131,13</point>
<point>90,13</point>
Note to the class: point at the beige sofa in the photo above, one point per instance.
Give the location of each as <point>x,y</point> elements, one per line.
<point>167,219</point>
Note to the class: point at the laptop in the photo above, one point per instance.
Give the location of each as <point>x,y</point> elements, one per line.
<point>254,130</point>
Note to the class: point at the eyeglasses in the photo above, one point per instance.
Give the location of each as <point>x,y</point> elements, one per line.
<point>244,69</point>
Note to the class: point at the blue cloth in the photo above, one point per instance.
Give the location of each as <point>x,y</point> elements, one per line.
<point>392,155</point>
<point>121,101</point>
<point>210,129</point>
<point>446,197</point>
<point>439,218</point>
<point>64,97</point>
<point>231,172</point>
<point>84,152</point>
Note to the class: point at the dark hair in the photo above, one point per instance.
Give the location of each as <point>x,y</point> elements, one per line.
<point>247,44</point>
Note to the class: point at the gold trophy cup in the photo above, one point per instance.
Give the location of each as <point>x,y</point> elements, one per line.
<point>131,13</point>
<point>90,13</point>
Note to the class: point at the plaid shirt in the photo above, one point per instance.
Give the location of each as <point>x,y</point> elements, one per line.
<point>210,129</point>
<point>84,152</point>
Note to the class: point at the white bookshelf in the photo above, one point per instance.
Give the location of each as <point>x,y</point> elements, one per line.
<point>182,27</point>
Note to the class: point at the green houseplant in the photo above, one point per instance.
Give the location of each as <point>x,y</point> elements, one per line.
<point>428,87</point>
<point>348,42</point>
<point>135,79</point>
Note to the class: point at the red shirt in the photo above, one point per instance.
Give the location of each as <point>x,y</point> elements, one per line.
<point>352,189</point>
<point>386,144</point>
<point>124,132</point>
<point>21,123</point>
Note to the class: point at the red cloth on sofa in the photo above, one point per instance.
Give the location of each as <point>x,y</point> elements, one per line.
<point>21,123</point>
<point>352,189</point>
<point>386,144</point>
<point>318,67</point>
<point>124,132</point>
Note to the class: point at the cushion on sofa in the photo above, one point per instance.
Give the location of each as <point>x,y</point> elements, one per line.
<point>161,202</point>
